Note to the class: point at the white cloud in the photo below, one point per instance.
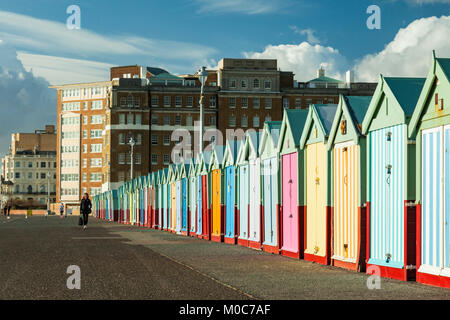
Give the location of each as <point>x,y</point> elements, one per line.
<point>48,38</point>
<point>304,59</point>
<point>27,103</point>
<point>410,51</point>
<point>57,70</point>
<point>250,7</point>
<point>309,33</point>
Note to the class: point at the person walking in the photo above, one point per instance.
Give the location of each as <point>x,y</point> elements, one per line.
<point>61,210</point>
<point>85,209</point>
<point>9,209</point>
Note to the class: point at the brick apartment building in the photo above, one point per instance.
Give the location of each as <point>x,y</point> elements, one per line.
<point>97,120</point>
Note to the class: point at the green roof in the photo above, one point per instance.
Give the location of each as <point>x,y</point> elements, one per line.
<point>358,106</point>
<point>297,119</point>
<point>165,76</point>
<point>326,114</point>
<point>274,131</point>
<point>445,65</point>
<point>325,79</point>
<point>156,71</point>
<point>406,91</point>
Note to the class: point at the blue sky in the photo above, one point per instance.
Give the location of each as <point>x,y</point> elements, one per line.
<point>36,48</point>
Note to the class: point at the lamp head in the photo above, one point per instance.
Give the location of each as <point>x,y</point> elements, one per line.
<point>202,75</point>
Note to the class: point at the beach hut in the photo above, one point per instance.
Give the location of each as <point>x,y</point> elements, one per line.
<point>430,123</point>
<point>217,194</point>
<point>171,180</point>
<point>192,198</point>
<point>268,151</point>
<point>160,201</point>
<point>390,176</point>
<point>199,213</point>
<point>243,181</point>
<point>165,198</point>
<point>179,199</point>
<point>184,178</point>
<point>229,162</point>
<point>205,182</point>
<point>292,219</point>
<point>348,147</point>
<point>317,182</point>
<point>254,216</point>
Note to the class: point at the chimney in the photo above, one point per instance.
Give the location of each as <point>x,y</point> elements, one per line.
<point>50,129</point>
<point>349,78</point>
<point>321,72</point>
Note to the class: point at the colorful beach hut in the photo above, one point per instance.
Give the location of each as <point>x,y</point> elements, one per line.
<point>192,213</point>
<point>390,177</point>
<point>268,151</point>
<point>229,162</point>
<point>292,222</point>
<point>183,175</point>
<point>254,217</point>
<point>348,147</point>
<point>217,194</point>
<point>172,181</point>
<point>318,182</point>
<point>243,181</point>
<point>430,123</point>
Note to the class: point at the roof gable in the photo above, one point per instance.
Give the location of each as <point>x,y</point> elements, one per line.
<point>318,124</point>
<point>268,146</point>
<point>291,130</point>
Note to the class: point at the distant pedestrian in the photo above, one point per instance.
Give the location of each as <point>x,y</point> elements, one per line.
<point>85,209</point>
<point>9,209</point>
<point>61,210</point>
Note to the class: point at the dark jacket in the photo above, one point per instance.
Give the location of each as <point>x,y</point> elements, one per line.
<point>85,206</point>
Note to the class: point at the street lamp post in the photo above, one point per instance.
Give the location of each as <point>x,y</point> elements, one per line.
<point>202,75</point>
<point>48,191</point>
<point>132,143</point>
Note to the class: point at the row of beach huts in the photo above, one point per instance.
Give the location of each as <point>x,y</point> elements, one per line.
<point>362,185</point>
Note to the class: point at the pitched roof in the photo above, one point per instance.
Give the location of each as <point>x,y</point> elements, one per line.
<point>406,91</point>
<point>297,119</point>
<point>358,105</point>
<point>326,114</point>
<point>325,79</point>
<point>445,65</point>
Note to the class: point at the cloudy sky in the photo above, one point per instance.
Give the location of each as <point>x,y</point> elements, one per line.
<point>37,49</point>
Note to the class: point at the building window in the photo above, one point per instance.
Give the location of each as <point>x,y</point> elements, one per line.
<point>155,120</point>
<point>96,162</point>
<point>244,121</point>
<point>84,177</point>
<point>123,101</point>
<point>267,84</point>
<point>17,175</point>
<point>154,139</point>
<point>96,119</point>
<point>121,158</point>
<point>212,120</point>
<point>43,164</point>
<point>96,148</point>
<point>189,121</point>
<point>243,84</point>
<point>244,103</point>
<point>232,121</point>
<point>43,175</point>
<point>166,159</point>
<point>298,103</point>
<point>138,118</point>
<point>17,164</point>
<point>84,148</point>
<point>85,119</point>
<point>121,138</point>
<point>95,177</point>
<point>232,83</point>
<point>178,120</point>
<point>178,101</point>
<point>166,140</point>
<point>268,103</point>
<point>256,121</point>
<point>97,105</point>
<point>138,158</point>
<point>30,175</point>
<point>232,102</point>
<point>268,118</point>
<point>166,120</point>
<point>85,105</point>
<point>189,101</point>
<point>85,134</point>
<point>137,102</point>
<point>256,83</point>
<point>256,103</point>
<point>96,134</point>
<point>166,101</point>
<point>121,176</point>
<point>84,163</point>
<point>130,118</point>
<point>212,102</point>
<point>121,118</point>
<point>154,159</point>
<point>139,139</point>
<point>155,101</point>
<point>319,102</point>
